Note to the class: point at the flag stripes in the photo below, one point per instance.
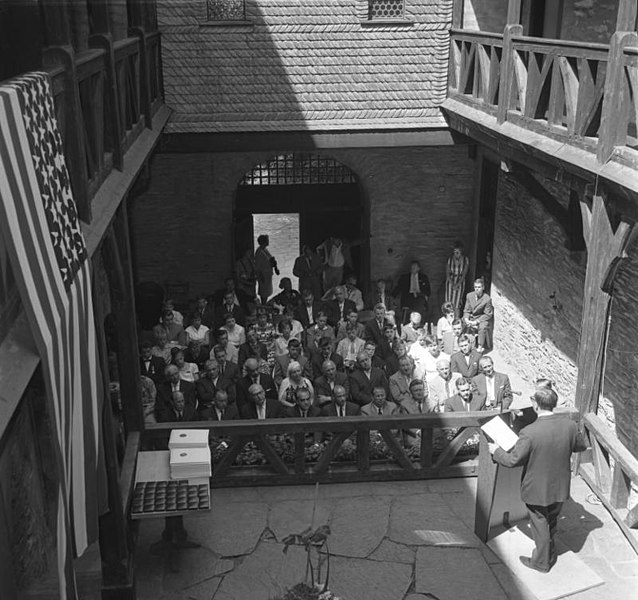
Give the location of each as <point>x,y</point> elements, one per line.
<point>49,259</point>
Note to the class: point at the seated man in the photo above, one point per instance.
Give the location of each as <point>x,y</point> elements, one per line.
<point>374,327</point>
<point>228,307</point>
<point>319,330</point>
<point>151,366</point>
<point>257,406</point>
<point>339,307</point>
<point>441,386</point>
<point>205,311</point>
<point>287,296</point>
<point>340,406</point>
<point>451,338</point>
<point>353,292</point>
<point>280,371</point>
<point>400,381</point>
<point>381,295</point>
<point>178,317</point>
<point>173,383</point>
<point>227,370</point>
<point>364,378</point>
<point>292,383</point>
<point>174,332</point>
<point>303,406</point>
<point>253,348</point>
<point>220,410</point>
<point>350,346</point>
<point>466,360</point>
<point>410,332</point>
<point>479,315</point>
<point>379,406</point>
<point>370,348</point>
<point>494,387</point>
<point>306,313</point>
<point>352,318</point>
<point>240,297</point>
<point>328,381</point>
<point>253,376</point>
<point>464,400</point>
<point>418,403</point>
<point>177,410</point>
<point>221,340</point>
<point>210,383</point>
<point>323,353</point>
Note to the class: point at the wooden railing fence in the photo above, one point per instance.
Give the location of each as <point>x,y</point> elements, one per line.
<point>584,93</point>
<point>435,457</point>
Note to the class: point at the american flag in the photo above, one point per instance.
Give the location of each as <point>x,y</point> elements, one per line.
<point>41,230</point>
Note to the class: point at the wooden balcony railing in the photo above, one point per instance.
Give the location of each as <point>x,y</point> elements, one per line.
<point>612,473</point>
<point>105,97</point>
<point>434,456</point>
<point>582,93</point>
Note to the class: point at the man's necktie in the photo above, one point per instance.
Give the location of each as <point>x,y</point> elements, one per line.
<point>420,405</point>
<point>180,416</point>
<point>221,368</point>
<point>340,412</point>
<point>352,350</point>
<point>447,389</point>
<point>380,411</point>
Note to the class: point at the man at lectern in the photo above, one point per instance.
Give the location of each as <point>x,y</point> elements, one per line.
<point>544,448</point>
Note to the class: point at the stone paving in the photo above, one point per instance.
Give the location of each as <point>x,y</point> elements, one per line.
<point>378,544</point>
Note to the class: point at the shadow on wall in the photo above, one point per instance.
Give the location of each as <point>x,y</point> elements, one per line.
<point>181,224</point>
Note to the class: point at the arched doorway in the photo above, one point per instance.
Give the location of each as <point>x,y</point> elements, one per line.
<point>321,192</point>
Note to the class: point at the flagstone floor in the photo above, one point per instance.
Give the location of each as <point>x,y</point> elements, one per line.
<point>379,546</point>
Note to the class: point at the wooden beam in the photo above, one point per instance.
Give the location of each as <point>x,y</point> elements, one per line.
<point>457,14</point>
<point>507,71</point>
<point>604,245</point>
<point>626,17</point>
<point>514,12</point>
<point>55,17</point>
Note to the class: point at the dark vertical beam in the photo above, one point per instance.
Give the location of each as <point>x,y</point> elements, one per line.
<point>79,25</point>
<point>119,20</point>
<point>55,17</point>
<point>457,14</point>
<point>485,485</point>
<point>118,265</point>
<point>99,11</point>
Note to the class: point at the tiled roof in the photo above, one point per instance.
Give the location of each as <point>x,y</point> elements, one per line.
<point>304,64</point>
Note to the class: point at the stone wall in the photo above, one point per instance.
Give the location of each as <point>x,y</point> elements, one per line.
<point>419,201</point>
<point>531,263</point>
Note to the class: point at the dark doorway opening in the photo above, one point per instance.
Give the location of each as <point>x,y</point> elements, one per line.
<point>324,193</point>
<point>487,213</point>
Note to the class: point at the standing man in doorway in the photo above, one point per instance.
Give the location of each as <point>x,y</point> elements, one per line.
<point>265,264</point>
<point>414,290</point>
<point>308,268</point>
<point>336,254</point>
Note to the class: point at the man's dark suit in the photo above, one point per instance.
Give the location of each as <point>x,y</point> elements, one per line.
<point>361,387</point>
<point>335,314</point>
<point>309,270</point>
<point>229,371</point>
<point>210,414</point>
<point>502,389</point>
<point>373,332</point>
<point>318,360</point>
<point>206,390</point>
<point>155,369</point>
<point>459,364</point>
<point>457,404</point>
<point>265,381</point>
<point>165,395</point>
<point>167,414</point>
<point>545,449</point>
<point>246,352</point>
<point>480,309</point>
<point>330,410</point>
<point>374,298</point>
<point>273,410</point>
<point>294,412</point>
<point>207,316</point>
<point>301,313</point>
<point>222,309</point>
<point>418,304</point>
<point>322,387</point>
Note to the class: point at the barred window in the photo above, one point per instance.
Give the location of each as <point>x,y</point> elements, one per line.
<point>385,9</point>
<point>298,168</point>
<point>226,10</point>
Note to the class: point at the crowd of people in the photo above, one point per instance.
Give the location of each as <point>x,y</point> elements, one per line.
<point>325,350</point>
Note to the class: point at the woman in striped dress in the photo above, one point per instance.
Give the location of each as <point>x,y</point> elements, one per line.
<point>457,267</point>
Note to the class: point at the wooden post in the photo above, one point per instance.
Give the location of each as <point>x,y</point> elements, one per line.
<point>55,16</point>
<point>485,482</point>
<point>514,12</point>
<point>616,101</point>
<point>457,14</point>
<point>79,25</point>
<point>507,72</point>
<point>627,13</point>
<point>603,247</point>
<point>117,263</point>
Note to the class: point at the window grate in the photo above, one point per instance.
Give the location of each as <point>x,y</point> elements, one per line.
<point>296,169</point>
<point>385,9</point>
<point>226,10</point>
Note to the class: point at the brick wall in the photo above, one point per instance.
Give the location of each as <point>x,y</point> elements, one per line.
<point>419,201</point>
<point>307,64</point>
<point>530,264</point>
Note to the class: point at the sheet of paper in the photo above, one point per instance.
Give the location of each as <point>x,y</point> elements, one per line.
<point>500,433</point>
